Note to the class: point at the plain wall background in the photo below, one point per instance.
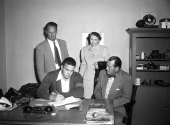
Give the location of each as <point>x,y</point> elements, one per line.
<point>3,83</point>
<point>25,19</point>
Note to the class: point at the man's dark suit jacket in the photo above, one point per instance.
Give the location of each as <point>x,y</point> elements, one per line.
<point>120,91</point>
<point>44,57</point>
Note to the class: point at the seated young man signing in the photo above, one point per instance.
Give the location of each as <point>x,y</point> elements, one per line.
<point>62,83</point>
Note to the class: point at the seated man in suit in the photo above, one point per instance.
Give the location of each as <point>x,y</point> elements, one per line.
<point>62,83</point>
<point>116,84</point>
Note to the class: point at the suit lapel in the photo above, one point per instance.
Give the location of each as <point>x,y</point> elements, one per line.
<point>61,48</point>
<point>49,52</point>
<point>58,84</point>
<point>104,81</point>
<point>115,85</point>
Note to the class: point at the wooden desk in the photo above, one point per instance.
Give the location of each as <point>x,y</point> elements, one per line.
<point>16,116</point>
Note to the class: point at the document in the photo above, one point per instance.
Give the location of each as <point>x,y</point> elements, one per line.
<point>69,106</point>
<point>65,101</point>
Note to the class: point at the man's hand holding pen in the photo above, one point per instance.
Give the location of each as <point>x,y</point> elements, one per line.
<point>55,96</point>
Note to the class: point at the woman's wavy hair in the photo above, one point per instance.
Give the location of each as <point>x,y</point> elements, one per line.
<point>98,35</point>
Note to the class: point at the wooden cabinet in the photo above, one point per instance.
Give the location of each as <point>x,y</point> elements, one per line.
<point>148,40</point>
<point>168,107</point>
<point>152,105</point>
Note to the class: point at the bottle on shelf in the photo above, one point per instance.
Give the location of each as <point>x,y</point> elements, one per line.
<point>142,55</point>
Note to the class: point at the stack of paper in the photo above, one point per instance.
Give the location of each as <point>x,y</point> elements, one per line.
<point>65,101</point>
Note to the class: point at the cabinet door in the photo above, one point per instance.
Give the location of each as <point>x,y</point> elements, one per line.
<point>149,108</point>
<point>168,106</point>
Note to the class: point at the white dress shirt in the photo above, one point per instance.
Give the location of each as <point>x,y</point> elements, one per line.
<point>109,84</point>
<point>52,49</point>
<point>64,82</point>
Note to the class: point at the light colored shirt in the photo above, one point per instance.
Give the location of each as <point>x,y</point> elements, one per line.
<point>109,84</point>
<point>52,49</point>
<point>64,82</point>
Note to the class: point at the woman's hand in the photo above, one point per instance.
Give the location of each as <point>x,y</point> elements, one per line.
<point>96,65</point>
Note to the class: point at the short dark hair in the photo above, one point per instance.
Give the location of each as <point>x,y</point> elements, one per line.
<point>69,61</point>
<point>53,24</point>
<point>46,26</point>
<point>118,62</point>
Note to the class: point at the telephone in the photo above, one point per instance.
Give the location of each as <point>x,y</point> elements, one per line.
<point>38,109</point>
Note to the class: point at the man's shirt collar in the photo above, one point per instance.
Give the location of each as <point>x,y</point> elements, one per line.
<point>60,76</point>
<point>51,40</point>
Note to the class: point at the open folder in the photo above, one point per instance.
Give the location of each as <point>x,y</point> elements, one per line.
<point>65,101</point>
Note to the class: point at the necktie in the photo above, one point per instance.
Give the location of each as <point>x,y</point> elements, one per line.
<point>109,84</point>
<point>57,56</point>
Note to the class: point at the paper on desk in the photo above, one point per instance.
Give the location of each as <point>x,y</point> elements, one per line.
<point>65,101</point>
<point>4,101</point>
<point>40,99</point>
<point>71,106</point>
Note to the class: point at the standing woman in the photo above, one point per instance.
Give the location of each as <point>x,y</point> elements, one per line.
<point>90,55</point>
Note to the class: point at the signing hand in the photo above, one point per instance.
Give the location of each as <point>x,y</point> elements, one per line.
<point>58,98</point>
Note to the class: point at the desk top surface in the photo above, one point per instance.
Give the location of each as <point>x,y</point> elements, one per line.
<point>16,116</point>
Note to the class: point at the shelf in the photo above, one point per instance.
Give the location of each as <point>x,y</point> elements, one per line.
<point>152,70</point>
<point>152,59</point>
<point>149,32</point>
<point>146,40</point>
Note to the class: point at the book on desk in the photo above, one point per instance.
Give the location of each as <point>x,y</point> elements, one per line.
<point>97,114</point>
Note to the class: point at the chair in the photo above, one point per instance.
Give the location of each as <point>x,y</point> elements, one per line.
<point>129,107</point>
<point>101,65</point>
<point>1,93</point>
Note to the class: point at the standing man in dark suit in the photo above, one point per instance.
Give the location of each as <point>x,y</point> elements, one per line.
<point>47,57</point>
<point>116,84</point>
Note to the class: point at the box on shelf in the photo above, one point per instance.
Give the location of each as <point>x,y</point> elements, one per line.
<point>139,67</point>
<point>164,23</point>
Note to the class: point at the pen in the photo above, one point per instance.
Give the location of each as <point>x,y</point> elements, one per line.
<point>57,92</point>
<point>61,97</point>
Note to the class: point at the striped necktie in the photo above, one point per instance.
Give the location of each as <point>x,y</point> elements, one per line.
<point>57,56</point>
